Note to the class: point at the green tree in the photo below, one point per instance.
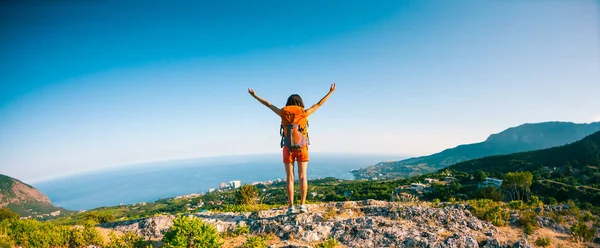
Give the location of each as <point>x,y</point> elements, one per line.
<point>489,193</point>
<point>518,185</point>
<point>480,176</point>
<point>189,231</point>
<point>7,214</point>
<point>247,194</point>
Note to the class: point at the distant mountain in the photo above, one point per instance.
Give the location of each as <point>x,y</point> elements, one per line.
<point>565,172</point>
<point>526,137</point>
<point>25,199</point>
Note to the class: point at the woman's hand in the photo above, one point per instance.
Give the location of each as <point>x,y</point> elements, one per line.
<point>332,88</point>
<point>251,92</point>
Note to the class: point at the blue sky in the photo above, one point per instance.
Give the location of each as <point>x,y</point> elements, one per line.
<point>92,84</point>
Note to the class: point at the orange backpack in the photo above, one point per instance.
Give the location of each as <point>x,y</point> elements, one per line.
<point>294,127</point>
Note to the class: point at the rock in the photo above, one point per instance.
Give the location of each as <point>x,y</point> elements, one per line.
<point>456,241</point>
<point>523,243</point>
<point>367,223</point>
<point>152,228</point>
<point>491,243</point>
<point>547,222</point>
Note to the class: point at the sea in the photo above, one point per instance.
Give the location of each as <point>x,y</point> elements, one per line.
<point>153,181</point>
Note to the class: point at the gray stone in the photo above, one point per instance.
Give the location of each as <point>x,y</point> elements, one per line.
<point>523,243</point>
<point>358,224</point>
<point>491,243</point>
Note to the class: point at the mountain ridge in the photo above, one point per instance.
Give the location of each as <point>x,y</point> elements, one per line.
<point>525,137</point>
<point>564,172</point>
<point>25,199</point>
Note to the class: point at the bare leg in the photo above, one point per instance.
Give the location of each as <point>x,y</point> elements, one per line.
<point>289,172</point>
<point>303,181</point>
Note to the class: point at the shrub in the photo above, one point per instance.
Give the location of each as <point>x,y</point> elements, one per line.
<point>32,233</point>
<point>574,209</point>
<point>535,202</point>
<point>190,231</point>
<point>257,241</point>
<point>241,230</point>
<point>84,236</point>
<point>557,217</point>
<point>587,216</point>
<point>517,204</point>
<point>98,217</point>
<point>246,195</point>
<point>586,206</point>
<point>7,214</point>
<point>543,242</point>
<point>127,240</point>
<point>329,243</point>
<point>6,242</point>
<point>528,220</point>
<point>581,232</point>
<point>489,210</point>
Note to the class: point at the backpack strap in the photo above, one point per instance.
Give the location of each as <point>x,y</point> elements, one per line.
<point>281,133</point>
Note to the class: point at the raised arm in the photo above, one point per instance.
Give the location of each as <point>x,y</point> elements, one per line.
<point>317,105</point>
<point>265,102</point>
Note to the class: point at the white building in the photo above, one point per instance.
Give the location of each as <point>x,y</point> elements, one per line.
<point>490,182</point>
<point>211,190</point>
<point>223,185</point>
<point>430,180</point>
<point>235,184</point>
<point>417,187</point>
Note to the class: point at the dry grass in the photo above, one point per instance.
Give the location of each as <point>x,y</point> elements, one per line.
<point>557,239</point>
<point>507,234</point>
<point>513,234</point>
<point>444,234</point>
<point>349,205</point>
<point>330,213</point>
<point>236,242</point>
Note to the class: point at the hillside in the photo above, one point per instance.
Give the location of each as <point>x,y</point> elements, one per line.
<point>25,199</point>
<point>526,137</point>
<point>565,172</point>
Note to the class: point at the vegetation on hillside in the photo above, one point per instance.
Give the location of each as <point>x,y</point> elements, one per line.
<point>526,137</point>
<point>531,180</point>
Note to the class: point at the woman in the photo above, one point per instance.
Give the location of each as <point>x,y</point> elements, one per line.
<point>299,153</point>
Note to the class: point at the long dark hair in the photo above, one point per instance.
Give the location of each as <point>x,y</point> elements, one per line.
<point>295,100</point>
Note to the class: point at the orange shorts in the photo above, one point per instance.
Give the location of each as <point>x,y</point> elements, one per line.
<point>299,154</point>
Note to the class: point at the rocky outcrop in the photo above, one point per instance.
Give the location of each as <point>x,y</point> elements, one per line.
<point>13,191</point>
<point>354,224</point>
<point>151,228</point>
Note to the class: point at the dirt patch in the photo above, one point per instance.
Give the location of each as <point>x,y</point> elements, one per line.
<point>510,235</point>
<point>557,239</point>
<point>239,241</point>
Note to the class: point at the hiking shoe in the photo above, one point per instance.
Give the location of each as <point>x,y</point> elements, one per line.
<point>291,210</point>
<point>303,209</point>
